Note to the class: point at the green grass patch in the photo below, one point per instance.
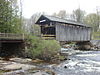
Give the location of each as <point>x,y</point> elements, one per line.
<point>96,35</point>
<point>2,71</point>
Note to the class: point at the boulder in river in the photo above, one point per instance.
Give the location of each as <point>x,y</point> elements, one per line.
<point>84,45</point>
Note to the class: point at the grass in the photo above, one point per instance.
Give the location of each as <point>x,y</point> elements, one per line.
<point>3,71</point>
<point>96,35</point>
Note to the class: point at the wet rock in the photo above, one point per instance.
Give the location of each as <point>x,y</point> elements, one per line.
<point>21,60</point>
<point>66,46</point>
<point>16,72</point>
<point>84,45</point>
<point>13,67</point>
<point>33,71</point>
<point>37,61</point>
<point>1,58</point>
<point>1,61</point>
<point>50,72</point>
<point>38,73</point>
<point>42,72</point>
<point>65,66</point>
<point>87,47</point>
<point>18,66</point>
<point>96,44</point>
<point>27,67</point>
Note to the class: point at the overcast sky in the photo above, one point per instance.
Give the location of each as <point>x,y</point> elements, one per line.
<point>51,6</point>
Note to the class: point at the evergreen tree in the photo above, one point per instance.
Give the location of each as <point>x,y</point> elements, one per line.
<point>9,17</point>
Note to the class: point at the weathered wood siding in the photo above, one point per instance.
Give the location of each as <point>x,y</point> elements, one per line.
<point>72,33</point>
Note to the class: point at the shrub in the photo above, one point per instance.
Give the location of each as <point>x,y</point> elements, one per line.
<point>42,49</point>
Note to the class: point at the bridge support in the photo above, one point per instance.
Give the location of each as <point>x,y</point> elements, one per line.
<point>85,45</point>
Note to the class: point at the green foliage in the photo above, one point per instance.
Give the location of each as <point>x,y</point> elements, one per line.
<point>2,71</point>
<point>9,17</point>
<point>96,35</point>
<point>43,49</point>
<point>36,30</point>
<point>93,21</point>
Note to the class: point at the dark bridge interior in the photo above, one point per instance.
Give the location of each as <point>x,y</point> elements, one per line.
<point>48,30</point>
<point>11,48</point>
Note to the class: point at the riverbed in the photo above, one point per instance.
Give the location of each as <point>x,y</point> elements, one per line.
<point>78,63</point>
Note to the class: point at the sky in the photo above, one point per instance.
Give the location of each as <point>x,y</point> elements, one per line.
<point>54,6</point>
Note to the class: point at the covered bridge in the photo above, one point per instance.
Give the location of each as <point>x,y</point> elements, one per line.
<point>63,30</point>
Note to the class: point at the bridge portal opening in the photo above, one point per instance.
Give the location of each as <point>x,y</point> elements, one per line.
<point>48,30</point>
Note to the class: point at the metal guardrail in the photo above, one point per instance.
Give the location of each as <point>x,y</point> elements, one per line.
<point>11,36</point>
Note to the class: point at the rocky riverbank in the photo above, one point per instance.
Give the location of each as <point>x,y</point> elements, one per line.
<point>23,66</point>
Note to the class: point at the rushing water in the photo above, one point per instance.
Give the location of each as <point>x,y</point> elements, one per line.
<point>82,63</point>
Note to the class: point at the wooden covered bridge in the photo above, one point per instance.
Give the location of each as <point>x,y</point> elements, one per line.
<point>63,30</point>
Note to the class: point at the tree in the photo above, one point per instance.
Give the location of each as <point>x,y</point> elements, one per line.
<point>54,14</point>
<point>4,15</point>
<point>92,20</point>
<point>9,17</point>
<point>30,26</point>
<point>62,14</point>
<point>78,15</point>
<point>98,13</point>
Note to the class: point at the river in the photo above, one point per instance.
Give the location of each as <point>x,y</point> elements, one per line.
<point>81,63</point>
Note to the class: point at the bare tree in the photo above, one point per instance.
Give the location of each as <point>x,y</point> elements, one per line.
<point>98,17</point>
<point>78,15</point>
<point>62,14</point>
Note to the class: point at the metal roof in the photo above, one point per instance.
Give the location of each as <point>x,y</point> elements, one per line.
<point>57,19</point>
